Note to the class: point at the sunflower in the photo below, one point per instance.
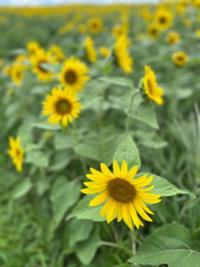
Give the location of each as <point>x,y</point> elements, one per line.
<point>104,51</point>
<point>180,58</point>
<point>119,30</point>
<point>32,47</point>
<point>38,60</point>
<point>153,30</point>
<point>61,106</point>
<point>173,38</point>
<point>90,50</point>
<point>95,25</point>
<point>163,18</point>
<point>151,88</point>
<point>56,53</point>
<point>74,74</point>
<point>123,58</point>
<point>123,196</point>
<point>16,153</point>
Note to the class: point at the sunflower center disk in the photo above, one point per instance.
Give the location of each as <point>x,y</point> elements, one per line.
<point>121,190</point>
<point>162,20</point>
<point>63,106</point>
<point>70,77</point>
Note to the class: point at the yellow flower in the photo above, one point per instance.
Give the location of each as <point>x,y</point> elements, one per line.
<point>163,18</point>
<point>32,47</point>
<point>90,50</point>
<point>56,53</point>
<point>104,51</point>
<point>173,38</point>
<point>16,153</point>
<point>95,25</point>
<point>16,72</point>
<point>74,74</point>
<point>123,196</point>
<point>151,88</point>
<point>124,60</point>
<point>119,30</point>
<point>180,58</point>
<point>38,60</point>
<point>153,30</point>
<point>61,106</point>
<point>197,33</point>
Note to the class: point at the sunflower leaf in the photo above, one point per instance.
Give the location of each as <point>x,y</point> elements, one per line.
<point>128,151</point>
<point>169,244</point>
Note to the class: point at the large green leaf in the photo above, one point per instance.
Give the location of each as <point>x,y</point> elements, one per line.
<point>170,244</point>
<point>78,230</point>
<point>86,250</point>
<point>22,189</point>
<point>64,194</point>
<point>127,150</point>
<point>163,187</point>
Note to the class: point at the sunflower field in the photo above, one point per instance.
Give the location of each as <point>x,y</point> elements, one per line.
<point>100,135</point>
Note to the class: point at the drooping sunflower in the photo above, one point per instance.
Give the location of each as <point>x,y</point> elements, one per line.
<point>90,50</point>
<point>163,18</point>
<point>123,195</point>
<point>74,74</point>
<point>173,38</point>
<point>61,106</point>
<point>95,25</point>
<point>38,60</point>
<point>151,88</point>
<point>123,58</point>
<point>180,58</point>
<point>16,153</point>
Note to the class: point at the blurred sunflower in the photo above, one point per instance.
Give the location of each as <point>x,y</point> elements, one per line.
<point>56,53</point>
<point>123,58</point>
<point>104,51</point>
<point>180,58</point>
<point>16,72</point>
<point>90,50</point>
<point>153,30</point>
<point>173,38</point>
<point>119,30</point>
<point>163,18</point>
<point>151,88</point>
<point>32,47</point>
<point>123,196</point>
<point>39,61</point>
<point>95,25</point>
<point>16,153</point>
<point>61,106</point>
<point>74,74</point>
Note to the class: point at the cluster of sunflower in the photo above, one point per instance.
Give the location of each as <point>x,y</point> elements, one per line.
<point>122,192</point>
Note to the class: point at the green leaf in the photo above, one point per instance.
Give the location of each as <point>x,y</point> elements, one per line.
<point>100,150</point>
<point>22,189</point>
<point>86,250</point>
<point>64,194</point>
<point>163,187</point>
<point>63,141</point>
<point>61,160</point>
<point>118,80</point>
<point>37,158</point>
<point>143,111</point>
<point>170,244</point>
<point>127,150</point>
<point>78,230</point>
<point>84,212</point>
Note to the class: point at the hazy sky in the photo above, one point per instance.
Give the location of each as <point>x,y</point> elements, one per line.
<point>43,2</point>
